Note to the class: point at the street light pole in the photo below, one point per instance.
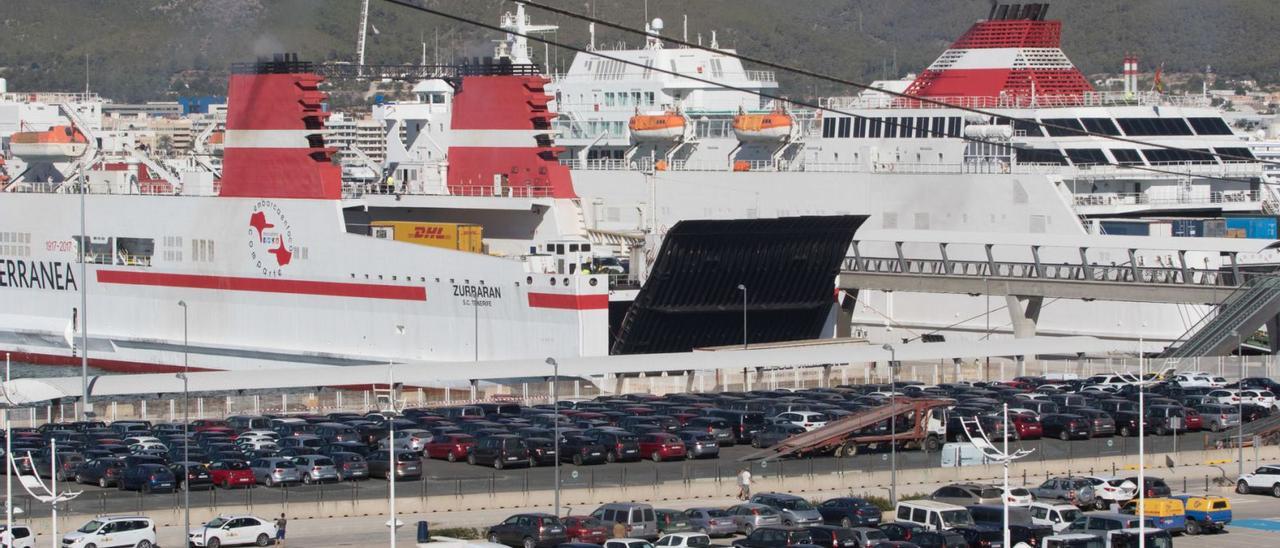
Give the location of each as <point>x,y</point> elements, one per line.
<point>1142,421</point>
<point>743,289</point>
<point>84,306</point>
<point>1004,504</point>
<point>555,407</point>
<point>391,451</point>
<point>893,428</point>
<point>1240,407</point>
<point>186,441</point>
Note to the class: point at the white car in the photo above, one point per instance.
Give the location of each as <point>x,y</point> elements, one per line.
<point>148,446</point>
<point>234,531</point>
<point>1224,396</point>
<point>136,531</point>
<point>1262,398</point>
<point>1265,478</point>
<point>258,445</point>
<point>1109,489</point>
<point>1198,381</point>
<point>1056,515</point>
<point>259,435</point>
<point>136,440</point>
<point>21,537</point>
<point>685,540</point>
<point>809,420</point>
<point>1017,496</point>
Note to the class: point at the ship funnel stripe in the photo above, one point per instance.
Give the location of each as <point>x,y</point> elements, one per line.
<point>269,138</point>
<point>497,138</point>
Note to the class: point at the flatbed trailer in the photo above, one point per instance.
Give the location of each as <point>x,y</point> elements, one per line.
<point>845,437</point>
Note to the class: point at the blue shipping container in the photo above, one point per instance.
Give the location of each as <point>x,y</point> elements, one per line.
<point>1125,228</point>
<point>1188,228</point>
<point>1254,227</point>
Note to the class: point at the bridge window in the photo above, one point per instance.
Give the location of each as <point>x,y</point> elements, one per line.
<point>922,127</point>
<point>1235,151</point>
<point>844,128</point>
<point>953,126</point>
<point>1063,127</point>
<point>859,126</point>
<point>1100,125</point>
<point>1028,128</point>
<point>1160,155</point>
<point>1040,156</point>
<point>874,131</point>
<point>1087,156</point>
<point>1126,156</point>
<point>828,128</point>
<point>1154,126</point>
<point>1209,126</point>
<point>890,128</point>
<point>939,128</point>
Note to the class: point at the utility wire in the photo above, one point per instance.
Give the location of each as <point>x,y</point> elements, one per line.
<point>889,121</point>
<point>868,87</point>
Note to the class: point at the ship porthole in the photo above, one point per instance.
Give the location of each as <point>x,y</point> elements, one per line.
<point>528,281</point>
<point>553,281</point>
<point>566,282</point>
<point>593,282</point>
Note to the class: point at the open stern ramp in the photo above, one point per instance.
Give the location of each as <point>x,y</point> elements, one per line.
<point>1253,304</point>
<point>849,432</point>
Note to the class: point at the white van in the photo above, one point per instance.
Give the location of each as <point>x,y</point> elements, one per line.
<point>963,454</point>
<point>108,531</point>
<point>932,515</point>
<point>1056,515</point>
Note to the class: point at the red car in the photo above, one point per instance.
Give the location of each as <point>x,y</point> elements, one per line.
<point>450,447</point>
<point>231,473</point>
<point>200,425</point>
<point>1027,426</point>
<point>661,447</point>
<point>585,529</point>
<point>1194,422</point>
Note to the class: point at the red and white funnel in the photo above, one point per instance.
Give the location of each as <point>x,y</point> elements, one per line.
<point>1013,54</point>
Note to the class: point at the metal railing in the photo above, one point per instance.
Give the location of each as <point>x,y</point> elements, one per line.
<point>1090,99</point>
<point>360,190</point>
<point>1143,198</point>
<point>1092,272</point>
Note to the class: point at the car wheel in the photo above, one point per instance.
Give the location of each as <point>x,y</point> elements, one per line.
<point>1242,487</point>
<point>146,488</point>
<point>147,544</point>
<point>755,443</point>
<point>1215,427</point>
<point>846,522</point>
<point>1193,527</point>
<point>1099,504</point>
<point>263,539</point>
<point>656,457</point>
<point>529,543</point>
<point>214,542</point>
<point>1275,490</point>
<point>746,530</point>
<point>1064,435</point>
<point>493,538</point>
<point>102,482</point>
<point>577,460</point>
<point>497,463</point>
<point>307,479</point>
<point>703,530</point>
<point>451,457</point>
<point>610,457</point>
<point>471,459</point>
<point>91,546</point>
<point>270,482</point>
<point>1125,432</point>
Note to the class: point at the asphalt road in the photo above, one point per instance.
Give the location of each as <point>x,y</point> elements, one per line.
<point>445,478</point>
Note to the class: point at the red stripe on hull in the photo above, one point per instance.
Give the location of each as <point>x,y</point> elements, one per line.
<point>568,302</point>
<point>118,366</point>
<point>264,285</point>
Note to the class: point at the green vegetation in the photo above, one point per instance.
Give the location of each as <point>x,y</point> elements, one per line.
<point>465,533</point>
<point>883,502</point>
<point>157,49</point>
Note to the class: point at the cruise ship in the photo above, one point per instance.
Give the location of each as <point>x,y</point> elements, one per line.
<point>647,149</point>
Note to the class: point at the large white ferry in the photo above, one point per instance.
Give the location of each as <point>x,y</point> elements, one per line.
<point>648,149</point>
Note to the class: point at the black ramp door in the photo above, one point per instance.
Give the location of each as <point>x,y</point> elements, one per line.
<point>691,298</point>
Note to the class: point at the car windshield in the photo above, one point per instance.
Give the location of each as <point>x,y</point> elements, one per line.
<point>989,493</point>
<point>956,518</point>
<point>698,540</point>
<point>796,504</point>
<point>235,465</point>
<point>216,522</point>
<point>91,527</point>
<point>875,534</point>
<point>406,457</point>
<point>717,513</point>
<point>1069,515</point>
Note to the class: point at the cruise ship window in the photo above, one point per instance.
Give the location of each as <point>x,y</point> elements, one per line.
<point>1209,126</point>
<point>906,128</point>
<point>1100,125</point>
<point>1154,126</point>
<point>1233,151</point>
<point>1063,127</point>
<point>1040,156</point>
<point>1161,155</point>
<point>953,126</point>
<point>890,128</point>
<point>828,128</point>
<point>859,126</point>
<point>922,127</point>
<point>1126,156</point>
<point>844,128</point>
<point>1028,128</point>
<point>1086,156</point>
<point>939,128</point>
<point>648,98</point>
<point>874,131</point>
<point>608,99</point>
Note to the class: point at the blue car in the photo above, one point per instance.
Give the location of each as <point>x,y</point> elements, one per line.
<point>147,478</point>
<point>849,512</point>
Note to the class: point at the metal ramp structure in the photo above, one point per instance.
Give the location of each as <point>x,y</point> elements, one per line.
<point>1266,429</point>
<point>1254,303</point>
<point>844,436</point>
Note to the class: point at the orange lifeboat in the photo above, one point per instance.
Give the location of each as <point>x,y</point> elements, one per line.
<point>668,126</point>
<point>55,143</point>
<point>216,141</point>
<point>772,127</point>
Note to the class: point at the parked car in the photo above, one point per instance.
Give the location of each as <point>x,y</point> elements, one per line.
<point>775,537</point>
<point>585,529</point>
<point>1205,514</point>
<point>932,514</point>
<point>621,445</point>
<point>832,536</point>
<point>1061,488</point>
<point>1154,487</point>
<point>639,519</point>
<point>500,451</point>
<point>408,465</point>
<point>661,446</point>
<point>795,511</point>
<point>191,475</point>
<point>103,472</point>
<point>272,471</point>
<point>450,447</point>
<point>711,521</point>
<point>528,531</point>
<point>775,433</point>
<point>20,537</point>
<point>316,468</point>
<point>965,494</point>
<point>1106,490</point>
<point>582,450</point>
<point>350,466</point>
<point>810,420</point>
<point>147,478</point>
<point>232,473</point>
<point>233,530</point>
<point>672,521</point>
<point>1101,523</point>
<point>1263,479</point>
<point>1065,426</point>
<point>1056,515</point>
<point>684,540</point>
<point>849,512</point>
<point>137,531</point>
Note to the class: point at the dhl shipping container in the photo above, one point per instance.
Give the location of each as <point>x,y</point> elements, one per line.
<point>463,237</point>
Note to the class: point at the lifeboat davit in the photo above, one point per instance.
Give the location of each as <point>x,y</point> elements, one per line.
<point>56,143</point>
<point>771,127</point>
<point>668,126</point>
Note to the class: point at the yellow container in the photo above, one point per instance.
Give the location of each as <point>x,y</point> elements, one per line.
<point>459,236</point>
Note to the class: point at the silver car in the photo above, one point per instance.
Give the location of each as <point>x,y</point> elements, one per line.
<point>316,468</point>
<point>795,511</point>
<point>712,522</point>
<point>747,517</point>
<point>350,466</point>
<point>272,471</point>
<point>699,444</point>
<point>1218,417</point>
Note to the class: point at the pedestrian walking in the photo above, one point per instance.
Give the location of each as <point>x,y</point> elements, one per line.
<point>744,483</point>
<point>281,523</point>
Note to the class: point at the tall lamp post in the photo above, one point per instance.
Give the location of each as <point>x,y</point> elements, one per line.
<point>391,413</point>
<point>743,289</point>
<point>555,407</point>
<point>186,440</point>
<point>1240,407</point>
<point>893,427</point>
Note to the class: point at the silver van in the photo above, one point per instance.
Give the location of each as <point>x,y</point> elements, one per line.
<point>639,519</point>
